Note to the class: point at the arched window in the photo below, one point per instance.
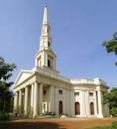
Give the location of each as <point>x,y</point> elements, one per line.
<point>92,108</point>
<point>60,107</point>
<point>49,64</point>
<point>77,108</point>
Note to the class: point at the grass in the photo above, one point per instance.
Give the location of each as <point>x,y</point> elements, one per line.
<point>113,126</point>
<point>105,127</point>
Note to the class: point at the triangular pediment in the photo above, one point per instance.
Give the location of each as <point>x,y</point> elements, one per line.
<point>23,75</point>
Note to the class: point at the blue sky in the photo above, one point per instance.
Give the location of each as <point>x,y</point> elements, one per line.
<point>78,29</point>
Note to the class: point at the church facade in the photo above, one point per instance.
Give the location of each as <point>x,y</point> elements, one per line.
<point>42,89</point>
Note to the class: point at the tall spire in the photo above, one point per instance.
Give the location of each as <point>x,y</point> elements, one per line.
<point>45,38</point>
<point>45,16</point>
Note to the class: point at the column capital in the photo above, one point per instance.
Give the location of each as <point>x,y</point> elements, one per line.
<point>51,85</point>
<point>41,84</point>
<point>36,81</point>
<point>32,83</point>
<point>16,93</point>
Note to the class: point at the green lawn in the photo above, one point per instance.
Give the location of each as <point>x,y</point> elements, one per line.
<point>113,126</point>
<point>106,127</point>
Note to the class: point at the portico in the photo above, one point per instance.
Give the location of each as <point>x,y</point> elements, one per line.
<point>34,99</point>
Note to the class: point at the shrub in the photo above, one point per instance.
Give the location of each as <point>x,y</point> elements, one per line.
<point>4,116</point>
<point>49,113</point>
<point>114,111</point>
<point>114,125</point>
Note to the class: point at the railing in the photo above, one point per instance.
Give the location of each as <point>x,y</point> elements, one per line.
<point>102,82</point>
<point>82,80</point>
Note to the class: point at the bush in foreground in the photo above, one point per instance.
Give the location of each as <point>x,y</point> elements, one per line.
<point>4,116</point>
<point>113,126</point>
<point>114,111</point>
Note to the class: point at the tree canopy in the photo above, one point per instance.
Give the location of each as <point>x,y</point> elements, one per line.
<point>6,95</point>
<point>111,45</point>
<point>110,98</point>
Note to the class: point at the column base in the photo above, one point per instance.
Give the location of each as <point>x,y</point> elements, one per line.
<point>34,115</point>
<point>100,116</point>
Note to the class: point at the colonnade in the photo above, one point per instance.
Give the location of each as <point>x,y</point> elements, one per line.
<point>28,100</point>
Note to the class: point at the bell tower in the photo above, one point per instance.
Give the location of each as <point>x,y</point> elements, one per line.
<point>45,57</point>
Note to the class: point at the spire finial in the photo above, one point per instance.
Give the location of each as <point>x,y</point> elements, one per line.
<point>46,5</point>
<point>45,16</point>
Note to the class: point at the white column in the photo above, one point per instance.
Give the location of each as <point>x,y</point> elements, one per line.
<point>40,97</point>
<point>15,102</point>
<point>95,103</point>
<point>87,103</point>
<point>51,108</point>
<point>68,102</point>
<point>20,101</point>
<point>35,99</point>
<point>64,102</point>
<point>32,99</point>
<point>83,103</point>
<point>100,104</point>
<point>56,101</point>
<point>72,103</point>
<point>26,101</point>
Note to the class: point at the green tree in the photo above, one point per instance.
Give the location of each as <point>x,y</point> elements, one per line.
<point>110,98</point>
<point>111,45</point>
<point>6,95</point>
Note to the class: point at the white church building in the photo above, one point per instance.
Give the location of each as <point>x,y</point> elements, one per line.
<point>42,89</point>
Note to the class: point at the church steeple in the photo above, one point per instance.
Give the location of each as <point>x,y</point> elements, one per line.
<point>45,57</point>
<point>45,38</point>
